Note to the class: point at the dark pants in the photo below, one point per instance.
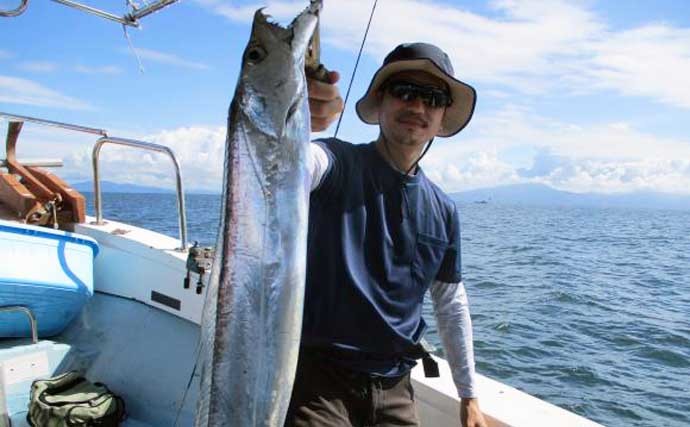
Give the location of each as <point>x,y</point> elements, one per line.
<point>327,395</point>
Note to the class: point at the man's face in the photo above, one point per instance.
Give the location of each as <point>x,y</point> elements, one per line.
<point>410,123</point>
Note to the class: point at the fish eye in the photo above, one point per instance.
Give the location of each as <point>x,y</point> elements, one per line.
<point>255,54</point>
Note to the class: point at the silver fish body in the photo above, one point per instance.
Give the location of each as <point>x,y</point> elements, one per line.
<point>253,312</point>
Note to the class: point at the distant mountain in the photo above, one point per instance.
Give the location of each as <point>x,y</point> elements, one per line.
<point>525,194</point>
<point>539,194</point>
<point>114,187</point>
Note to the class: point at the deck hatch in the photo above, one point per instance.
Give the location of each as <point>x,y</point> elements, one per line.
<point>166,300</point>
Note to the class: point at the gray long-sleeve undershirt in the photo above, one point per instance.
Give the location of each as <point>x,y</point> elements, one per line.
<point>452,312</point>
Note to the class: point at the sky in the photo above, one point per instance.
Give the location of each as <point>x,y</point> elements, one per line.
<point>584,96</point>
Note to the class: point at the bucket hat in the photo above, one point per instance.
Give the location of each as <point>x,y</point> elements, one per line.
<point>431,59</point>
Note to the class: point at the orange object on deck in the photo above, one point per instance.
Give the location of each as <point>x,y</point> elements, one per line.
<point>17,197</point>
<point>72,200</point>
<point>41,196</point>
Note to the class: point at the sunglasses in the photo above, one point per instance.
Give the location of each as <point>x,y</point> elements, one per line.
<point>431,96</point>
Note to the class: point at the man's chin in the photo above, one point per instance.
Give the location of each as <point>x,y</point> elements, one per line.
<point>411,140</point>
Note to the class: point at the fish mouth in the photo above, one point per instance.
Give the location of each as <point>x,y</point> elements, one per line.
<point>314,9</point>
<point>267,21</point>
<point>298,33</point>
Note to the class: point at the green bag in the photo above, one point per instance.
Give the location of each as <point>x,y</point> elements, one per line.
<point>69,400</point>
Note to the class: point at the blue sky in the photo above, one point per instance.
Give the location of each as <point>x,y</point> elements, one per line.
<point>588,96</point>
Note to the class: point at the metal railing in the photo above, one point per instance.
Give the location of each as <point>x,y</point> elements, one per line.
<point>44,122</point>
<point>182,217</point>
<point>16,11</point>
<point>131,19</point>
<point>29,314</point>
<point>41,163</point>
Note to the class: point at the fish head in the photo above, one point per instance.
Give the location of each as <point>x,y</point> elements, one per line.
<point>273,83</point>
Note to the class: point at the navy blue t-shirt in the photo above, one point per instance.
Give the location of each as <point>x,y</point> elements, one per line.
<point>377,239</point>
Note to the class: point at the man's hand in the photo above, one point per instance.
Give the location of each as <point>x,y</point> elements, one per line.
<point>470,414</point>
<point>325,102</point>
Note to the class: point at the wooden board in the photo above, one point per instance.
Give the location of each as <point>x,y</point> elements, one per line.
<point>16,197</point>
<point>72,200</point>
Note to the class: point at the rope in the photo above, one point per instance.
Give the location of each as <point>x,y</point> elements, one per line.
<point>354,72</point>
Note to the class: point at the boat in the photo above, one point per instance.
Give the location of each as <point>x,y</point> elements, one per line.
<point>141,277</point>
<point>48,272</point>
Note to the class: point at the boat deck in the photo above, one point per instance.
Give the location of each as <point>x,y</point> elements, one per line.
<point>109,345</point>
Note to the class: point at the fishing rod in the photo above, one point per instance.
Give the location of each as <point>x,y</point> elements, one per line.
<point>354,71</point>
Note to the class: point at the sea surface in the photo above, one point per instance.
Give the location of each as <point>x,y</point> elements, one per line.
<point>587,308</point>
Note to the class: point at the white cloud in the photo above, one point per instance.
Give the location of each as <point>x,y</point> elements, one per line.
<point>199,150</point>
<point>105,69</point>
<point>529,46</point>
<point>456,164</point>
<point>15,90</point>
<point>652,61</point>
<point>668,176</point>
<point>38,66</point>
<point>168,58</point>
<point>485,169</point>
<point>279,10</point>
<point>610,158</point>
<point>516,126</point>
<point>479,169</point>
<point>48,67</point>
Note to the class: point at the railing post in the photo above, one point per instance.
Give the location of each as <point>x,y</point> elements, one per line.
<point>15,12</point>
<point>29,314</point>
<point>182,217</point>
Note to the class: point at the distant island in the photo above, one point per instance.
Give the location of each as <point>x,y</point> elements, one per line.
<point>543,195</point>
<point>520,194</point>
<point>115,187</point>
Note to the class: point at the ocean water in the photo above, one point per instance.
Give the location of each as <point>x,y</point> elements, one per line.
<point>587,308</point>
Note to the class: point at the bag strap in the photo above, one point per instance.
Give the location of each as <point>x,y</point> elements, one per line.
<point>59,388</point>
<point>117,416</point>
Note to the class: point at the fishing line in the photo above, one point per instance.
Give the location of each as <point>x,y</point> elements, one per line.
<point>189,384</point>
<point>129,42</point>
<point>131,48</point>
<point>352,78</point>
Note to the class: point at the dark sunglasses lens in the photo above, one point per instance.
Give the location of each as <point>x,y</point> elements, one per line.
<point>438,99</point>
<point>404,91</point>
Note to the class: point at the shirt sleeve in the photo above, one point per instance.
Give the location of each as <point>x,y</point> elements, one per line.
<point>452,312</point>
<point>319,163</point>
<point>451,266</point>
<point>334,155</point>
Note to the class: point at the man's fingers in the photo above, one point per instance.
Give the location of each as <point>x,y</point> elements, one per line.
<point>325,103</point>
<point>325,109</point>
<point>322,91</point>
<point>319,124</point>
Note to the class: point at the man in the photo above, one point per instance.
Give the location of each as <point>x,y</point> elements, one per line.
<point>381,234</point>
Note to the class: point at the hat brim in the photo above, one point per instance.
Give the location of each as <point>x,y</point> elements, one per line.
<point>457,115</point>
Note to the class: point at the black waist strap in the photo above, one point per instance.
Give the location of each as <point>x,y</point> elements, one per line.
<point>422,351</point>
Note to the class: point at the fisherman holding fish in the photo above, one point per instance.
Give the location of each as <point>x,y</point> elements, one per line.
<point>380,235</point>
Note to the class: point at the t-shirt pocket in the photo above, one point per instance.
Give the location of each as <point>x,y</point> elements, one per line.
<point>429,254</point>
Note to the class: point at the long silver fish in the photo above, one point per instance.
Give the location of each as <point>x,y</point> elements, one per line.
<point>253,313</point>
